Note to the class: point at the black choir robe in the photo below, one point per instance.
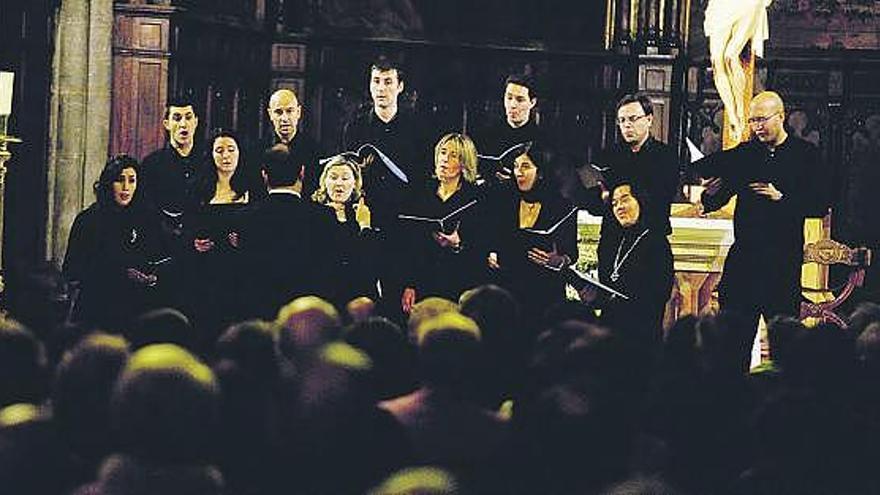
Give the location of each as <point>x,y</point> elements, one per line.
<point>168,180</point>
<point>284,245</point>
<point>409,143</point>
<point>356,254</point>
<point>654,169</point>
<point>214,278</point>
<point>536,288</point>
<point>442,271</point>
<point>104,243</point>
<point>763,268</point>
<point>645,275</point>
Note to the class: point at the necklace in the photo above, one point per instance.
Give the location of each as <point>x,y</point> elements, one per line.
<point>528,213</point>
<point>618,261</point>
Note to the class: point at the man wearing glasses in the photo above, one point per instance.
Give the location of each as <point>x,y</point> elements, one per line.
<point>639,160</point>
<point>777,180</point>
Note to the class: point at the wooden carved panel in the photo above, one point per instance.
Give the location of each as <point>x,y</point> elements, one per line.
<point>139,95</point>
<point>288,58</point>
<point>141,33</point>
<point>150,35</point>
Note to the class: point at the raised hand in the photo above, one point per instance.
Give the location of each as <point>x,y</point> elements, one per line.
<point>408,299</point>
<point>362,214</point>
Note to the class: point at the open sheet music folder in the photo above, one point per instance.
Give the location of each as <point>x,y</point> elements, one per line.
<point>446,224</point>
<point>581,279</point>
<point>360,155</point>
<point>490,164</point>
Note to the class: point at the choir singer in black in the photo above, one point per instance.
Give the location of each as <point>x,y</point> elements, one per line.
<point>442,226</point>
<point>534,227</point>
<point>778,183</point>
<point>115,252</point>
<point>636,261</point>
<point>355,245</point>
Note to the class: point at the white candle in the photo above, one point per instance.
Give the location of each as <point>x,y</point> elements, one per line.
<point>6,79</point>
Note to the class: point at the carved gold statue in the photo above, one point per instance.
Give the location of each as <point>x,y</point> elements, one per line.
<point>729,26</point>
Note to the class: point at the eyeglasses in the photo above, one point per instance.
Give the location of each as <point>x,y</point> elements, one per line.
<point>761,120</point>
<point>630,119</point>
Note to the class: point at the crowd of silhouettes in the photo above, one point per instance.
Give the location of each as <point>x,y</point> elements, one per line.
<point>464,400</point>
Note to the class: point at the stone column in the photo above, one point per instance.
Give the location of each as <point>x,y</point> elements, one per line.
<point>79,113</point>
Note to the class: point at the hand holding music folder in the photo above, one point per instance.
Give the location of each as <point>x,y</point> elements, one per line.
<point>446,224</point>
<point>580,279</point>
<point>151,270</point>
<point>503,163</point>
<point>360,155</point>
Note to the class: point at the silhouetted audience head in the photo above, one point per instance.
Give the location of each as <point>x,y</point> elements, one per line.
<point>123,475</point>
<point>821,358</point>
<point>494,309</point>
<point>165,406</point>
<point>426,309</point>
<point>37,296</point>
<point>250,374</point>
<point>32,460</point>
<point>781,333</point>
<point>578,404</point>
<point>419,481</point>
<point>251,345</point>
<point>864,314</point>
<point>568,310</point>
<point>23,374</point>
<point>393,357</point>
<point>868,347</point>
<point>162,326</point>
<point>307,323</point>
<point>680,345</point>
<point>641,486</point>
<point>84,383</point>
<point>337,382</point>
<point>449,347</point>
<point>360,308</point>
<point>715,341</point>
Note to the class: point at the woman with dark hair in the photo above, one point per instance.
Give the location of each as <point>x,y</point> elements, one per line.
<point>444,260</point>
<point>637,262</point>
<point>227,181</point>
<point>352,239</point>
<point>222,195</point>
<point>115,254</point>
<point>536,229</point>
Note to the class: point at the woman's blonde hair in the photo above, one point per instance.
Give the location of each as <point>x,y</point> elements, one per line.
<point>320,195</point>
<point>467,153</point>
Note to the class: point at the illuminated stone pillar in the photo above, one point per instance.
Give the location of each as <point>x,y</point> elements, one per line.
<point>79,121</point>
